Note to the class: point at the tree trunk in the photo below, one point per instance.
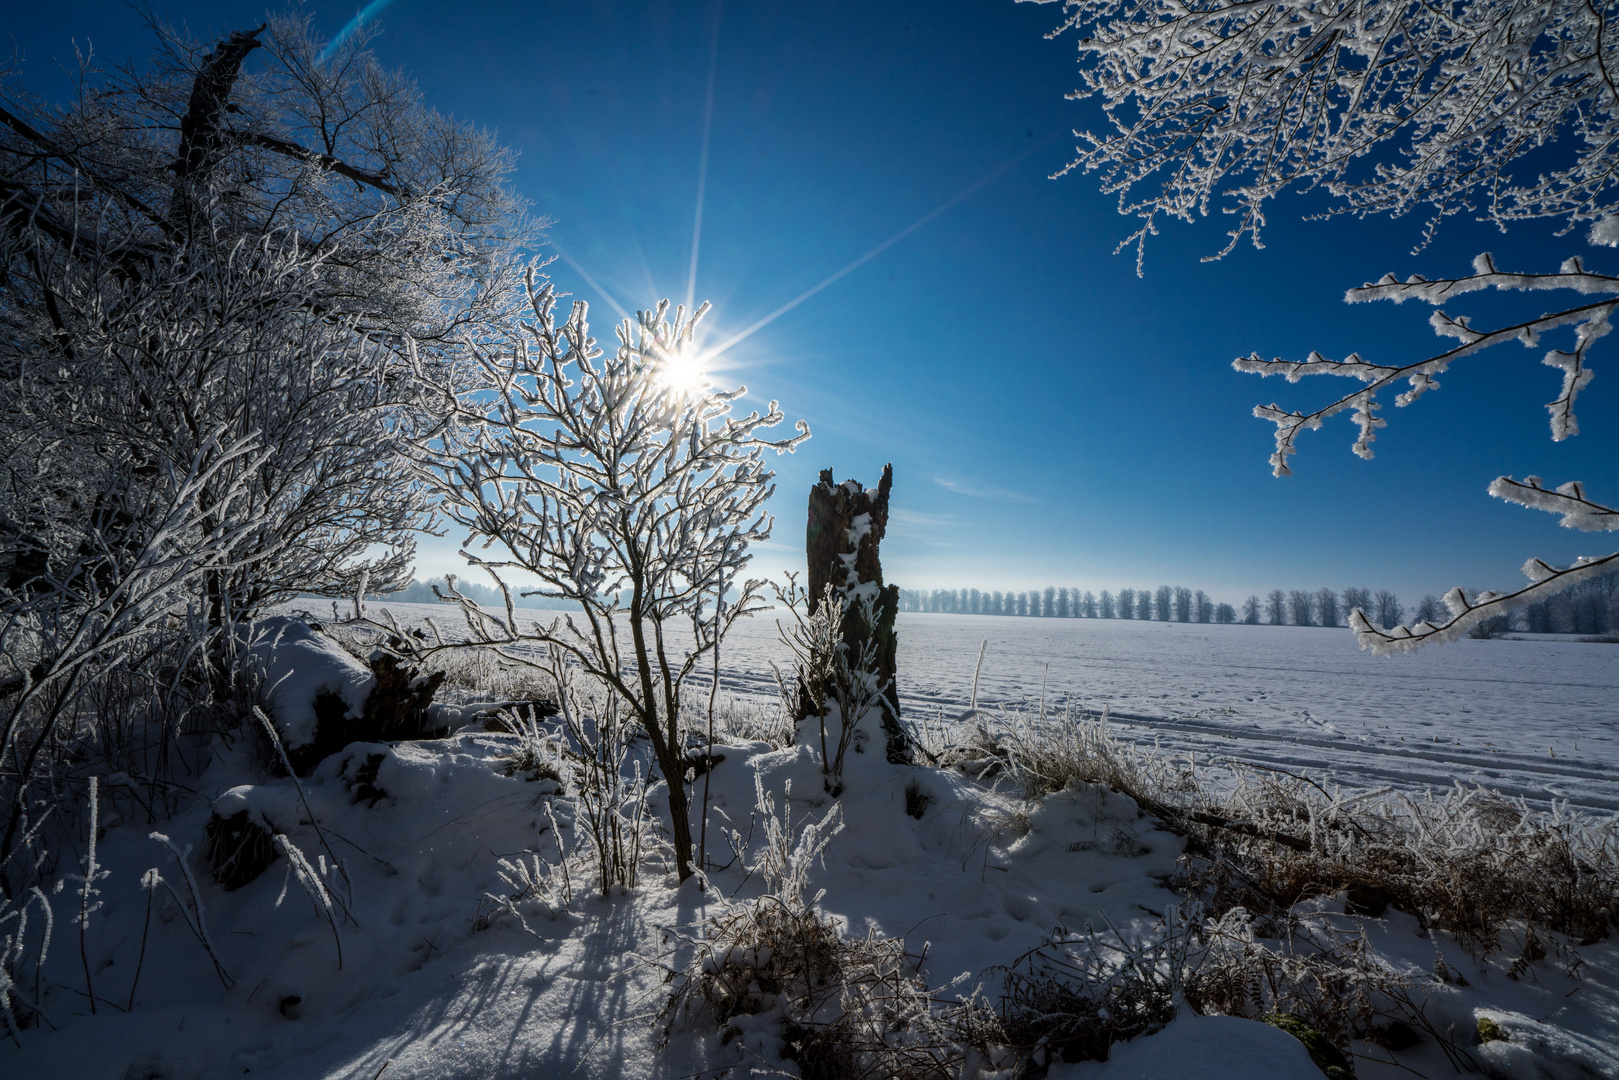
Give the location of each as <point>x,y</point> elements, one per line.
<point>846,525</point>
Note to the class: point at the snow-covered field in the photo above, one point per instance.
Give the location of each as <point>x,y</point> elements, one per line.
<point>1537,718</point>
<point>422,993</point>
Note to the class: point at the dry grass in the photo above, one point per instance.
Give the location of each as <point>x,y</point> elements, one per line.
<point>1489,870</point>
<point>1076,994</point>
<point>1496,874</point>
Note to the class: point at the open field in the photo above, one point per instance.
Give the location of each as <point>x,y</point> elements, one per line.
<point>1537,718</point>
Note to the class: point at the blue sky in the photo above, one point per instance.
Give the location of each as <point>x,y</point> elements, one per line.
<point>1052,419</point>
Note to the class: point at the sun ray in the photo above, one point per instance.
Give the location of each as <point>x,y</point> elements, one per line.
<point>592,282</point>
<point>970,189</point>
<point>702,161</point>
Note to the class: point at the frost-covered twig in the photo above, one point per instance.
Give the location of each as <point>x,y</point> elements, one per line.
<point>1544,580</point>
<point>198,925</point>
<point>299,866</point>
<point>13,947</point>
<point>1590,321</point>
<point>609,790</point>
<point>149,882</point>
<point>88,904</point>
<point>286,763</point>
<point>1568,499</point>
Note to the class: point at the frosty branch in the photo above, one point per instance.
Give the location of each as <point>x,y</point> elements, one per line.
<point>1391,107</point>
<point>1588,321</point>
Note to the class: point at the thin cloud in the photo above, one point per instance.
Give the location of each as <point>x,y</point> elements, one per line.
<point>979,492</point>
<point>927,529</point>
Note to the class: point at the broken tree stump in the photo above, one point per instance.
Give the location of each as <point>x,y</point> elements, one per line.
<point>846,525</point>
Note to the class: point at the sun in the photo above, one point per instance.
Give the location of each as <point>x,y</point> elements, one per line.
<point>684,370</point>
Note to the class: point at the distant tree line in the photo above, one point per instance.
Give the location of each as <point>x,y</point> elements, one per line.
<point>1167,604</point>
<point>1591,607</point>
<point>421,592</point>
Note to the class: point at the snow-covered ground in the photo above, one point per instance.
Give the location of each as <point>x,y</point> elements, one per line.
<point>422,993</point>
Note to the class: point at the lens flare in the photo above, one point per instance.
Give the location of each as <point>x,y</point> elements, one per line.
<point>361,17</point>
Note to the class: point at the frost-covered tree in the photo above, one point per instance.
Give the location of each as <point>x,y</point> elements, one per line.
<point>1062,603</point>
<point>1143,604</point>
<point>1250,611</point>
<point>1225,614</point>
<point>1105,604</point>
<point>1388,611</point>
<point>1276,607</point>
<point>1389,107</point>
<point>1127,603</point>
<point>1301,606</point>
<point>239,240</point>
<point>1326,607</point>
<point>1204,607</point>
<point>1183,604</point>
<point>1165,603</point>
<point>213,263</point>
<point>1048,604</point>
<point>1429,609</point>
<point>622,484</point>
<point>1090,605</point>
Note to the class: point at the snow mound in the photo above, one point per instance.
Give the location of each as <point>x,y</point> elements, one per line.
<point>1201,1048</point>
<point>1537,1051</point>
<point>296,665</point>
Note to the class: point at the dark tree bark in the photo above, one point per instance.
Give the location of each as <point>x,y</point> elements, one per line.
<point>846,525</point>
<point>199,127</point>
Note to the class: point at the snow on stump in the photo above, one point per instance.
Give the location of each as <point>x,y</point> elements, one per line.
<point>321,699</point>
<point>846,525</point>
<point>238,844</point>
